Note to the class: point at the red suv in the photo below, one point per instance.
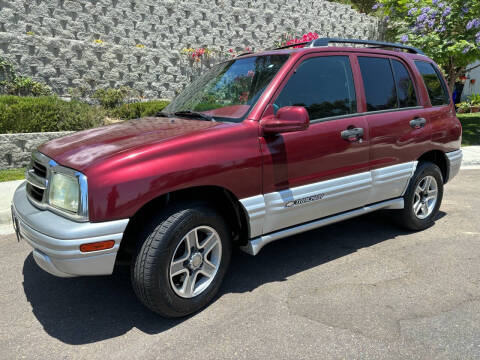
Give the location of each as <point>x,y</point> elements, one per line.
<point>260,147</point>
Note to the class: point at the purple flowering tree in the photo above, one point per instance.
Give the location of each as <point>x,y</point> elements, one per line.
<point>446,30</point>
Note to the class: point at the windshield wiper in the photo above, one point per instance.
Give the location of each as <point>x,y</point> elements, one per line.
<point>163,114</point>
<point>194,114</point>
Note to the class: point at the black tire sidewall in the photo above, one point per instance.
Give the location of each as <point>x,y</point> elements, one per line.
<point>161,297</point>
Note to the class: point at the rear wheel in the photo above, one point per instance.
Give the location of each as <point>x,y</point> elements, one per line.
<point>182,261</point>
<point>422,198</point>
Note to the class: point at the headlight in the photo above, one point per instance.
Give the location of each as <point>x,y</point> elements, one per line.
<point>64,192</point>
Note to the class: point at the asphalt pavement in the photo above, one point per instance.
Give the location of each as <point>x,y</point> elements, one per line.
<point>360,289</point>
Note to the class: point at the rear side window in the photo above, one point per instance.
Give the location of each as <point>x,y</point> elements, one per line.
<point>405,87</point>
<point>379,84</point>
<point>323,85</point>
<point>437,90</point>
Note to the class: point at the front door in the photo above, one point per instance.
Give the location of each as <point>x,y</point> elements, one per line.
<point>323,170</point>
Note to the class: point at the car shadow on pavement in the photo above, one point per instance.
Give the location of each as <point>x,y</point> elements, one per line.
<point>90,309</point>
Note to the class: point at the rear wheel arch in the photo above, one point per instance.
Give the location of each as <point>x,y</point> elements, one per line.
<point>218,197</point>
<point>421,195</point>
<point>438,158</point>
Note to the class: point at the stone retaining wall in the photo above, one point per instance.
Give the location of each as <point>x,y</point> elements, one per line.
<point>16,149</point>
<point>138,43</point>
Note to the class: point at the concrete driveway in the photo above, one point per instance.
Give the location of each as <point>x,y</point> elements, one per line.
<point>360,289</point>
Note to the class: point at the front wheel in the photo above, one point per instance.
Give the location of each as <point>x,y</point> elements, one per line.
<point>182,261</point>
<point>422,198</point>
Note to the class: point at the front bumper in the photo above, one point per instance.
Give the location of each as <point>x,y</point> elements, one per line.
<point>454,163</point>
<point>56,240</point>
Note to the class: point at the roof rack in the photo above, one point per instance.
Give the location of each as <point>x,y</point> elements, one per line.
<point>292,45</point>
<point>245,53</point>
<point>327,41</point>
<point>376,44</point>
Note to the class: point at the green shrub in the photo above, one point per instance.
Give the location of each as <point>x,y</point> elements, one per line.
<point>24,86</point>
<point>46,113</point>
<point>471,128</point>
<point>111,98</point>
<point>79,93</point>
<point>474,99</point>
<point>364,6</point>
<point>13,84</point>
<point>139,109</point>
<point>76,115</point>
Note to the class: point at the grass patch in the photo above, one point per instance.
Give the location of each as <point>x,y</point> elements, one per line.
<point>471,128</point>
<point>12,174</point>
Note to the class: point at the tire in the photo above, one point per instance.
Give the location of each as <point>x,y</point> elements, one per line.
<point>415,216</point>
<point>166,247</point>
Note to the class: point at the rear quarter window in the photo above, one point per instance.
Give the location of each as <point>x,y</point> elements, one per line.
<point>436,87</point>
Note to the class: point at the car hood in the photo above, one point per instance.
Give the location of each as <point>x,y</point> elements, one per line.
<point>84,148</point>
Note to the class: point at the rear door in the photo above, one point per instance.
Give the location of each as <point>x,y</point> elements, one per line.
<point>396,121</point>
<point>315,173</point>
<point>440,113</point>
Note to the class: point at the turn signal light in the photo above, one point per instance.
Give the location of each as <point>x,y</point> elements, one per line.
<point>101,245</point>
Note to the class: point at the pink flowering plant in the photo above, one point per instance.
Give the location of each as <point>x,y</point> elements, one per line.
<point>288,39</point>
<point>446,30</point>
<point>197,55</point>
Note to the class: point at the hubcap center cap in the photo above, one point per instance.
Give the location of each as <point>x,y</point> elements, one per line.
<point>196,260</point>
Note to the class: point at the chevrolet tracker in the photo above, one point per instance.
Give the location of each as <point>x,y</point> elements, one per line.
<point>260,147</point>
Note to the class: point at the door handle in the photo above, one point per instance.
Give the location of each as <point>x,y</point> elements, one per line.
<point>353,134</point>
<point>418,123</point>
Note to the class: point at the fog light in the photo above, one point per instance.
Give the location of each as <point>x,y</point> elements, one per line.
<point>101,245</point>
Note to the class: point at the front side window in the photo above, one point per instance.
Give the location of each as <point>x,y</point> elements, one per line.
<point>437,90</point>
<point>323,85</point>
<point>229,90</point>
<point>379,84</point>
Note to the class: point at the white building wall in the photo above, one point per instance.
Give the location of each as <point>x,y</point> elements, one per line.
<point>470,88</point>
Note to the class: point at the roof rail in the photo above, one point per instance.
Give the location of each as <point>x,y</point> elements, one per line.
<point>292,45</point>
<point>245,53</point>
<point>327,41</point>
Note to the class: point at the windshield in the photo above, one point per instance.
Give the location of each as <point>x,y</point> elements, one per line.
<point>229,90</point>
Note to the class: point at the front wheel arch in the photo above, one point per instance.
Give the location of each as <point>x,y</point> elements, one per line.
<point>218,197</point>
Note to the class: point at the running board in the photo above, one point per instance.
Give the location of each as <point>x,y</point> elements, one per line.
<point>255,245</point>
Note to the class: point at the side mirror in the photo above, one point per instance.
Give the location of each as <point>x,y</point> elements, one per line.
<point>287,119</point>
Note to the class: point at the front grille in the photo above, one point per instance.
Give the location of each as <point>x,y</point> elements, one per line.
<point>35,193</point>
<point>36,177</point>
<point>39,169</point>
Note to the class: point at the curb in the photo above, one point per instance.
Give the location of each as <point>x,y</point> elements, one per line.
<point>6,229</point>
<point>7,189</point>
<point>5,217</point>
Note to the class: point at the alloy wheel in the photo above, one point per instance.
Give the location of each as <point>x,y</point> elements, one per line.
<point>195,262</point>
<point>425,197</point>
